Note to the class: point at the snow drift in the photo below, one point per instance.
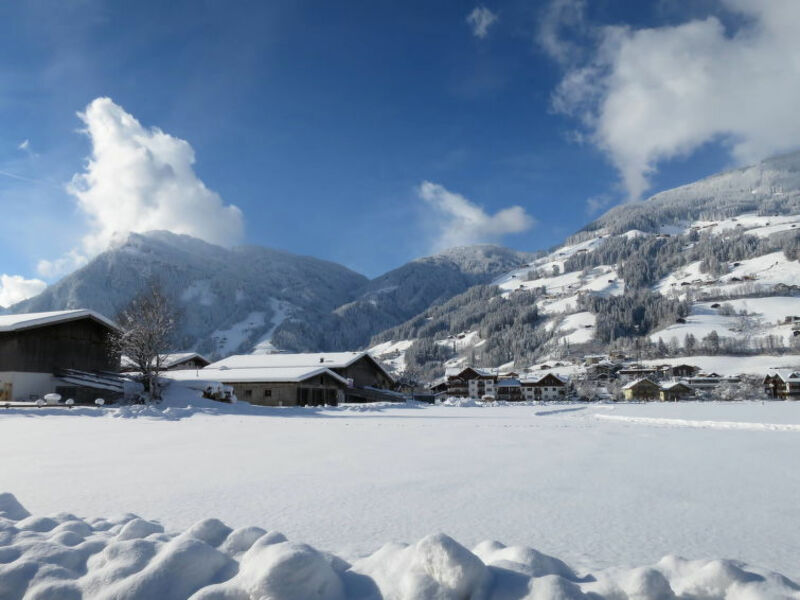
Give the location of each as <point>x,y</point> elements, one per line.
<point>65,557</point>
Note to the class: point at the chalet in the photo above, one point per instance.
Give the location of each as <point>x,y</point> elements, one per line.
<point>365,379</point>
<point>37,350</point>
<point>782,384</point>
<point>677,390</point>
<point>547,388</point>
<point>509,390</point>
<point>642,389</point>
<point>471,382</point>
<point>273,386</point>
<point>171,362</point>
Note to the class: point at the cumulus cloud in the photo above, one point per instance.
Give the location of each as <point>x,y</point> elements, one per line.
<point>460,222</point>
<point>480,19</point>
<point>15,288</point>
<point>649,95</point>
<point>140,179</point>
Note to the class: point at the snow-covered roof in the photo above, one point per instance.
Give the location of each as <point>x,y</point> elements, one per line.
<point>332,360</point>
<point>29,320</point>
<point>168,360</point>
<point>674,384</point>
<point>483,372</point>
<point>637,382</point>
<point>253,375</point>
<point>535,379</point>
<point>787,376</point>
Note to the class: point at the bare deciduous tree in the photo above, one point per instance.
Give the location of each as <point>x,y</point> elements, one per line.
<point>147,326</point>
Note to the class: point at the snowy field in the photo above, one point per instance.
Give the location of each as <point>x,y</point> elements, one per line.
<point>596,486</point>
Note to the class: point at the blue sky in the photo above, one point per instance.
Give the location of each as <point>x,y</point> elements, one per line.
<point>322,121</point>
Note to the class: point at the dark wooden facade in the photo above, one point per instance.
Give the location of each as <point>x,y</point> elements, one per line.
<point>365,372</point>
<point>79,344</point>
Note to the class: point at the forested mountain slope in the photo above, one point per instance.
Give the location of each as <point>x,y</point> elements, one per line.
<point>708,267</point>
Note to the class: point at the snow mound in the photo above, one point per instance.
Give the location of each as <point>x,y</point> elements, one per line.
<point>65,557</point>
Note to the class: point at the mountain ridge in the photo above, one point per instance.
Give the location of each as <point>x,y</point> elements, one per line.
<point>240,299</point>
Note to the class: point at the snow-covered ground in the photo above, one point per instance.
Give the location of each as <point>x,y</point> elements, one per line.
<point>764,316</point>
<point>68,557</point>
<point>596,492</point>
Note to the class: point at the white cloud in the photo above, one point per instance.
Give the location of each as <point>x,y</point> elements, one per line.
<point>15,288</point>
<point>561,25</point>
<point>140,179</point>
<point>24,145</point>
<point>649,95</point>
<point>460,222</point>
<point>480,19</point>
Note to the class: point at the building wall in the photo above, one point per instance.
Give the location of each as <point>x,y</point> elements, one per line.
<point>479,387</point>
<point>544,392</point>
<point>642,392</point>
<point>28,386</point>
<point>81,344</point>
<point>316,391</point>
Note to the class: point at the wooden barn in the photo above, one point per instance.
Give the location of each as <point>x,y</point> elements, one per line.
<point>36,348</point>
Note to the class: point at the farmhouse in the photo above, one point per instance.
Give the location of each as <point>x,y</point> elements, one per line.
<point>362,378</point>
<point>57,352</point>
<point>171,362</point>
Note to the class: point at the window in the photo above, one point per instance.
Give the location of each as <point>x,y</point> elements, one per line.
<point>248,393</point>
<point>267,393</point>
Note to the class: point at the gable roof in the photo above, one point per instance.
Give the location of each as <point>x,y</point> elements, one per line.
<point>787,376</point>
<point>168,360</point>
<point>675,385</point>
<point>254,375</point>
<point>479,371</point>
<point>326,360</point>
<point>18,322</point>
<point>644,381</point>
<point>534,380</point>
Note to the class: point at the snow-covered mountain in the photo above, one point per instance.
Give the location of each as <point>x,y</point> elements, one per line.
<point>397,296</point>
<point>710,267</point>
<point>256,299</point>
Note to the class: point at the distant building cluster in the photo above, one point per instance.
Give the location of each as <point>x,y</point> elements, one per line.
<point>67,355</point>
<point>491,384</point>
